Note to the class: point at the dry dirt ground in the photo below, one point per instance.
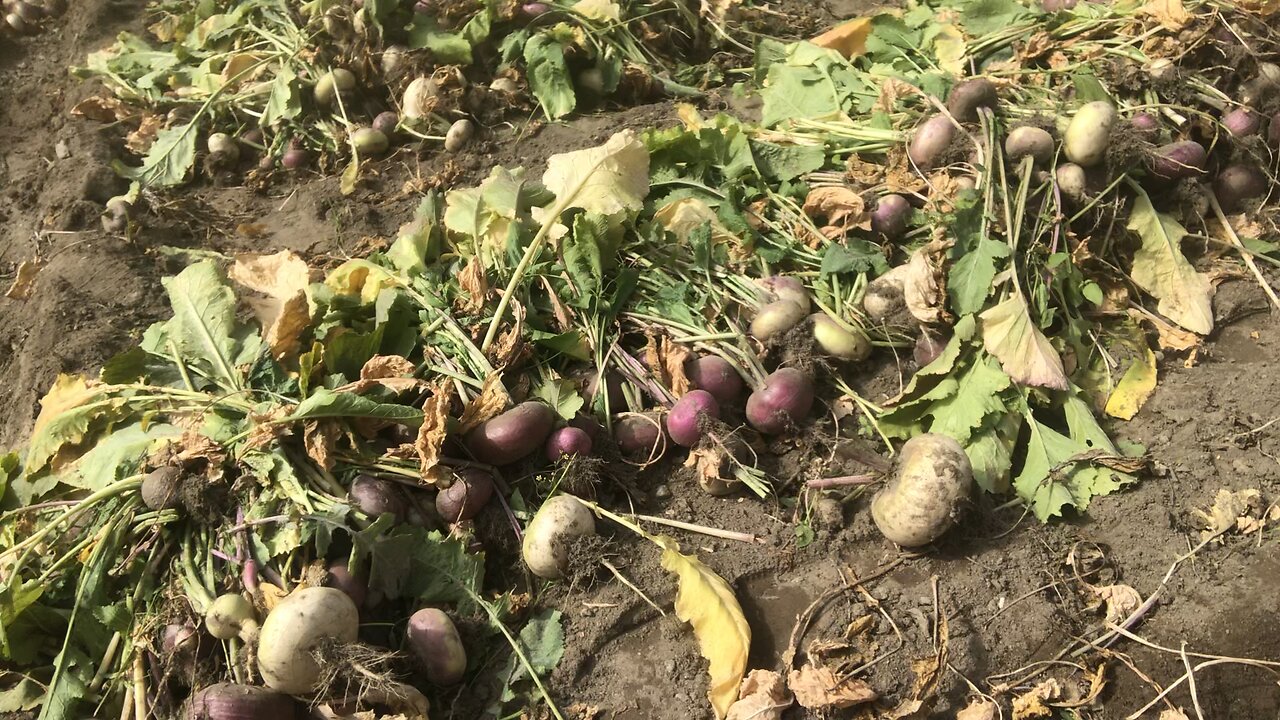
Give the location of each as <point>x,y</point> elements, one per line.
<point>1001,580</point>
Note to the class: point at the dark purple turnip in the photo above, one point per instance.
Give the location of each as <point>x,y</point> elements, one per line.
<point>513,434</point>
<point>161,488</point>
<point>1178,160</point>
<point>589,425</point>
<point>1242,122</point>
<point>613,386</point>
<point>1144,123</point>
<point>968,96</point>
<point>386,123</point>
<point>715,375</point>
<point>567,442</point>
<point>534,9</point>
<point>785,400</point>
<point>340,577</point>
<point>434,640</point>
<point>228,701</point>
<point>466,497</point>
<point>682,421</point>
<point>375,496</point>
<point>1273,132</point>
<point>295,158</point>
<point>890,217</point>
<point>931,139</point>
<point>928,347</point>
<point>1238,183</point>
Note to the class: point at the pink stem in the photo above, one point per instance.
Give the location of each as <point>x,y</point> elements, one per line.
<point>842,481</point>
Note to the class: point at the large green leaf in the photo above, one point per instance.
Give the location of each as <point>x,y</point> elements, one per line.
<point>204,326</point>
<point>168,162</point>
<point>118,455</point>
<point>329,404</point>
<point>549,76</point>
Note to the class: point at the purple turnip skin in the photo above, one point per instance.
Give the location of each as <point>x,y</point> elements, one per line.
<point>682,421</point>
<point>715,375</point>
<point>340,577</point>
<point>785,400</point>
<point>228,701</point>
<point>375,496</point>
<point>1242,122</point>
<point>931,139</point>
<point>1273,132</point>
<point>513,434</point>
<point>434,640</point>
<point>639,436</point>
<point>890,217</point>
<point>1238,183</point>
<point>386,123</point>
<point>1145,123</point>
<point>567,442</point>
<point>785,287</point>
<point>471,490</point>
<point>968,96</point>
<point>295,158</point>
<point>1178,160</point>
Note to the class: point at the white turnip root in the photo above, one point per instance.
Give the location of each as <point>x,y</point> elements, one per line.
<point>932,479</point>
<point>434,639</point>
<point>1089,133</point>
<point>834,340</point>
<point>303,621</point>
<point>776,318</point>
<point>785,287</point>
<point>231,616</point>
<point>545,547</point>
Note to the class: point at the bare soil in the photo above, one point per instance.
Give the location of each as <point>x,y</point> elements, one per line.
<point>1001,580</point>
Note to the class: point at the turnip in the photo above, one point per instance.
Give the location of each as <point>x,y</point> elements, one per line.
<point>1029,141</point>
<point>231,616</point>
<point>295,158</point>
<point>613,389</point>
<point>884,296</point>
<point>228,701</point>
<point>932,480</point>
<point>715,375</point>
<point>386,122</point>
<point>683,422</point>
<point>504,85</point>
<point>513,434</point>
<point>775,319</point>
<point>785,287</point>
<point>459,135</point>
<point>639,436</point>
<point>1089,133</point>
<point>224,147</point>
<point>1178,160</point>
<point>466,497</point>
<point>374,496</point>
<point>1273,131</point>
<point>181,640</point>
<point>890,217</point>
<point>298,625</point>
<point>337,81</point>
<point>1238,183</point>
<point>836,341</point>
<point>1264,86</point>
<point>534,9</point>
<point>589,425</point>
<point>1144,123</point>
<point>559,520</point>
<point>368,141</point>
<point>340,577</point>
<point>968,96</point>
<point>931,139</point>
<point>928,347</point>
<point>434,640</point>
<point>1072,181</point>
<point>1058,5</point>
<point>393,60</point>
<point>1242,122</point>
<point>785,399</point>
<point>161,488</point>
<point>590,79</point>
<point>568,441</point>
<point>419,98</point>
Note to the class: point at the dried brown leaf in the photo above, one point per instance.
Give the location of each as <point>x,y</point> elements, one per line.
<point>1169,13</point>
<point>386,366</point>
<point>922,284</point>
<point>1173,714</point>
<point>1170,336</point>
<point>1035,702</point>
<point>432,433</point>
<point>841,206</point>
<point>1120,601</point>
<point>848,38</point>
<point>24,283</point>
<point>320,437</point>
<point>674,357</point>
<point>818,688</point>
<point>491,401</point>
<point>279,283</point>
<point>102,109</point>
<point>475,283</point>
<point>139,141</point>
<point>763,696</point>
<point>979,709</point>
<point>708,462</point>
<point>1232,511</point>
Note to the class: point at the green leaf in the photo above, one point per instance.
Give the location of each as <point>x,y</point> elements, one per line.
<point>10,467</point>
<point>25,696</point>
<point>68,411</point>
<point>328,404</point>
<point>409,562</point>
<point>610,179</point>
<point>1160,268</point>
<point>118,455</point>
<point>571,343</point>
<point>562,395</point>
<point>991,453</point>
<point>548,75</point>
<point>853,256</point>
<point>542,641</point>
<point>204,326</point>
<point>589,256</point>
<point>787,162</point>
<point>970,279</point>
<point>1089,88</point>
<point>983,17</point>
<point>445,47</point>
<point>798,92</point>
<point>284,102</point>
<point>978,396</point>
<point>347,352</point>
<point>168,162</point>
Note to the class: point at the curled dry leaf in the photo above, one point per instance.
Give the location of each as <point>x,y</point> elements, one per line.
<point>1023,351</point>
<point>25,280</point>
<point>139,141</point>
<point>1232,511</point>
<point>320,437</point>
<point>674,356</point>
<point>1035,702</point>
<point>1169,13</point>
<point>1120,601</point>
<point>685,216</point>
<point>280,303</point>
<point>841,206</point>
<point>379,367</point>
<point>979,709</point>
<point>1173,714</point>
<point>922,286</point>
<point>848,38</point>
<point>473,281</point>
<point>763,696</point>
<point>102,109</point>
<point>432,433</point>
<point>818,688</point>
<point>491,401</point>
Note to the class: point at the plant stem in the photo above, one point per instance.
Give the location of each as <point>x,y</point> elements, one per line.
<point>842,481</point>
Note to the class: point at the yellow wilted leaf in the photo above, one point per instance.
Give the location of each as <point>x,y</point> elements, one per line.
<point>601,10</point>
<point>25,281</point>
<point>1169,13</point>
<point>52,430</point>
<point>1134,388</point>
<point>493,399</point>
<point>359,277</point>
<point>432,432</point>
<point>1025,354</point>
<point>281,305</point>
<point>705,601</point>
<point>848,38</point>
<point>950,49</point>
<point>682,217</point>
<point>1160,268</point>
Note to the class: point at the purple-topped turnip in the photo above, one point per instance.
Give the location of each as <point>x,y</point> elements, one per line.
<point>683,421</point>
<point>715,375</point>
<point>466,497</point>
<point>568,441</point>
<point>513,434</point>
<point>784,401</point>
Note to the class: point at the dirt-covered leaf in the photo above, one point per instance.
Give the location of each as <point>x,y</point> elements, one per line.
<point>280,304</point>
<point>329,404</point>
<point>1159,267</point>
<point>763,696</point>
<point>168,162</point>
<point>1069,470</point>
<point>706,602</point>
<point>25,695</point>
<point>24,282</point>
<point>204,326</point>
<point>839,205</point>
<point>611,179</point>
<point>1134,388</point>
<point>1120,601</point>
<point>979,709</point>
<point>542,642</point>
<point>1024,352</point>
<point>818,688</point>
